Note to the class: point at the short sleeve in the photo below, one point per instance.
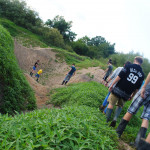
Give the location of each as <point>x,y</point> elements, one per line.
<point>123,72</point>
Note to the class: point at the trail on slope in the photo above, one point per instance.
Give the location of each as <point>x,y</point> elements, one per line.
<point>53,71</point>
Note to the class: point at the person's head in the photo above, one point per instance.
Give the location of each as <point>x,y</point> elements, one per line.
<point>110,60</point>
<point>138,60</point>
<point>73,64</point>
<point>110,63</point>
<point>127,63</point>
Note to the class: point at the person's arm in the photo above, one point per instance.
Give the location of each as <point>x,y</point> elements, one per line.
<point>114,82</point>
<point>144,86</point>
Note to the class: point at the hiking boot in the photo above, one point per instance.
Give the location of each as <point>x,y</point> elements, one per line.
<point>63,82</point>
<point>31,74</point>
<point>121,127</point>
<point>113,123</point>
<point>101,108</point>
<point>141,134</point>
<point>66,82</point>
<point>143,145</point>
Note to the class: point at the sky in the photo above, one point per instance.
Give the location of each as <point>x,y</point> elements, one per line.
<point>123,22</point>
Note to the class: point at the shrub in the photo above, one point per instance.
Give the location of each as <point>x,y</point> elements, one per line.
<point>70,128</point>
<point>17,94</point>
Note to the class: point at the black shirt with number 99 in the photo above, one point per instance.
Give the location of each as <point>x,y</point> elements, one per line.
<point>132,78</point>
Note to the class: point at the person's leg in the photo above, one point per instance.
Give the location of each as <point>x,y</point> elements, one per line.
<point>65,79</point>
<point>104,102</point>
<point>145,122</point>
<point>117,113</point>
<point>69,76</point>
<point>142,132</point>
<point>112,101</point>
<point>105,110</point>
<point>144,144</point>
<point>134,107</point>
<point>148,138</point>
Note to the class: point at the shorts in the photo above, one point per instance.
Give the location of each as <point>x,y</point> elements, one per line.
<point>105,77</point>
<point>115,100</point>
<point>34,68</point>
<point>37,75</point>
<point>138,102</point>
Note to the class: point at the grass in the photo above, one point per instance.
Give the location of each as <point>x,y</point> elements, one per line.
<point>22,35</point>
<point>70,128</point>
<point>92,94</point>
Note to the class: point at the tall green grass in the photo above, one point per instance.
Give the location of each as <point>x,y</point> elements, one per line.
<point>70,128</point>
<point>92,94</point>
<point>15,92</point>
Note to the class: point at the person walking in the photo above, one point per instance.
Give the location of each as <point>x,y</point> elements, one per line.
<point>70,74</point>
<point>34,68</point>
<point>142,98</point>
<point>107,72</point>
<point>128,82</point>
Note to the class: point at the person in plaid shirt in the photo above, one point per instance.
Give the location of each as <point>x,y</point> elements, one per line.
<point>142,98</point>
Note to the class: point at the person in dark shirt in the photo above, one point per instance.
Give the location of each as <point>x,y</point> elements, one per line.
<point>34,68</point>
<point>107,72</point>
<point>128,82</point>
<point>70,74</point>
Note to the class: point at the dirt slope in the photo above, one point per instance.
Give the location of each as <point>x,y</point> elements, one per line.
<point>53,72</point>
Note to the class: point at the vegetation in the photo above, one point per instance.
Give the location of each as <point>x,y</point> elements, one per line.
<point>15,92</point>
<point>120,58</point>
<point>92,94</point>
<point>54,32</point>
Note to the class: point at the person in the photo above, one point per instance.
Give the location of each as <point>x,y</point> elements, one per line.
<point>128,82</point>
<point>38,75</point>
<point>144,144</point>
<point>70,74</point>
<point>140,99</point>
<point>107,72</point>
<point>111,78</point>
<point>34,68</point>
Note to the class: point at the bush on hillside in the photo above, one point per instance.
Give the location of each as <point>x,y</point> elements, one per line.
<point>120,58</point>
<point>70,128</point>
<point>16,94</point>
<point>92,94</point>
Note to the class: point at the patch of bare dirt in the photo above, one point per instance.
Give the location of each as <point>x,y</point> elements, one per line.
<point>124,146</point>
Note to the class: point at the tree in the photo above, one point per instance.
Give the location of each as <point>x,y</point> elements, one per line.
<point>80,48</point>
<point>64,27</point>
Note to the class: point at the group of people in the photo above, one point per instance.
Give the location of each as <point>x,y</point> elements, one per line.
<point>127,83</point>
<point>33,71</point>
<point>37,75</point>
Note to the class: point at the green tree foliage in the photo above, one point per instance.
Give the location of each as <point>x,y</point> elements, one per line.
<point>64,27</point>
<point>15,92</point>
<point>80,48</point>
<point>97,47</point>
<point>53,37</point>
<point>18,12</point>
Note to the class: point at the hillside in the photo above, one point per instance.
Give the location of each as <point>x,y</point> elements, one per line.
<point>77,124</point>
<point>53,71</point>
